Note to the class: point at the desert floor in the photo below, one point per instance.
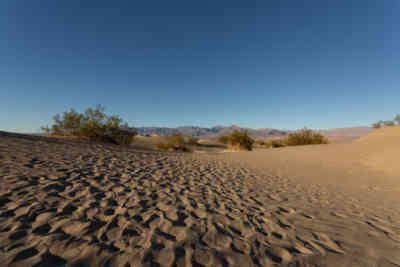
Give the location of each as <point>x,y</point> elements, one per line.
<point>79,204</point>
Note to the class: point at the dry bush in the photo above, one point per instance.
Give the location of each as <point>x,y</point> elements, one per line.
<point>237,140</point>
<point>175,142</point>
<point>193,141</point>
<point>223,139</point>
<point>163,146</point>
<point>305,137</point>
<point>241,141</point>
<point>299,138</point>
<point>263,143</point>
<point>93,124</point>
<point>276,143</point>
<point>260,142</point>
<point>377,125</point>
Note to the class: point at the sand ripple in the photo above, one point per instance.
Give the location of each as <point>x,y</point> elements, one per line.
<point>77,204</point>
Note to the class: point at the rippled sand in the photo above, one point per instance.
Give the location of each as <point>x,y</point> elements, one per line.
<point>70,203</point>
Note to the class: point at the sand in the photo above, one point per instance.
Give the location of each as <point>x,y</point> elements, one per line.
<point>71,203</point>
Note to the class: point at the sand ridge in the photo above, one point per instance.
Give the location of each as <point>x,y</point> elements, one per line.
<point>80,204</point>
<point>386,144</point>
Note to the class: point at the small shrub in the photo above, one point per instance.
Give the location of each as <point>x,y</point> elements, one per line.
<point>261,143</point>
<point>305,137</point>
<point>70,123</point>
<point>193,141</point>
<point>177,139</point>
<point>238,140</point>
<point>162,146</point>
<point>223,139</point>
<point>175,142</point>
<point>377,125</point>
<point>275,143</point>
<point>93,124</point>
<point>121,137</point>
<point>265,144</point>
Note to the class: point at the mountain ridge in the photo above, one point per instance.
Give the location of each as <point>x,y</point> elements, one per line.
<point>216,131</point>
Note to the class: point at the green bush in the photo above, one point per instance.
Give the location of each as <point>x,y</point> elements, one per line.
<point>377,125</point>
<point>69,124</point>
<point>175,142</point>
<point>305,137</point>
<point>93,124</point>
<point>239,140</point>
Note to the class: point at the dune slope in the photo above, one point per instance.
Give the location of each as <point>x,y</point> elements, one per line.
<point>80,204</point>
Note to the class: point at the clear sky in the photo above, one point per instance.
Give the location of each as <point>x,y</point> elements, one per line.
<point>282,64</point>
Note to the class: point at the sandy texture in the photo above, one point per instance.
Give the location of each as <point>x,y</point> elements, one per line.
<point>79,204</point>
<point>385,144</point>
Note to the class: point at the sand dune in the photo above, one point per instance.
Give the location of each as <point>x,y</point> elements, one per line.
<point>385,143</point>
<point>68,203</point>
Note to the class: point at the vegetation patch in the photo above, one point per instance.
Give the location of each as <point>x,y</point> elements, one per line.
<point>389,123</point>
<point>175,142</point>
<point>93,125</point>
<point>299,138</point>
<point>261,143</point>
<point>224,139</point>
<point>238,140</point>
<point>193,141</point>
<point>305,137</point>
<point>274,143</point>
<point>277,143</point>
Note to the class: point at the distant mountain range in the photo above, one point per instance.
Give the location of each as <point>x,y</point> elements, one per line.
<point>212,132</point>
<point>216,131</point>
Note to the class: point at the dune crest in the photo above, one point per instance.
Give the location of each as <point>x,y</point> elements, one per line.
<point>384,152</point>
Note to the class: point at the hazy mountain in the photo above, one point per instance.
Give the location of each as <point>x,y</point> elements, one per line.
<point>216,131</point>
<point>212,132</point>
<point>346,134</point>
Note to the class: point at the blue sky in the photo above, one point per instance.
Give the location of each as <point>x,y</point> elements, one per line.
<point>280,64</point>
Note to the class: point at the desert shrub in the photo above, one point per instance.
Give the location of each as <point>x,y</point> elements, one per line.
<point>175,142</point>
<point>377,125</point>
<point>223,139</point>
<point>70,123</point>
<point>93,124</point>
<point>305,137</point>
<point>177,139</point>
<point>261,143</point>
<point>163,146</point>
<point>193,141</point>
<point>275,143</point>
<point>240,140</point>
